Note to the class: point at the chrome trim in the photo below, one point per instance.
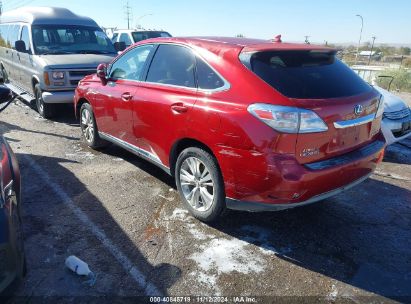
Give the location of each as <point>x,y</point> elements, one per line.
<point>135,150</point>
<point>259,207</point>
<point>354,122</point>
<point>225,87</point>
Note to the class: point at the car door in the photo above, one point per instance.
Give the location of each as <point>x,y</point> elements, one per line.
<point>25,60</point>
<point>113,101</point>
<point>162,103</point>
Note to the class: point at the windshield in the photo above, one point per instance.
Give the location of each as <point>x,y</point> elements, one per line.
<point>138,36</point>
<point>305,74</point>
<point>70,39</point>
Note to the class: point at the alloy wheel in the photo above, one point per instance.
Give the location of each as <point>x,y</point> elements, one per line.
<point>87,125</point>
<point>197,184</point>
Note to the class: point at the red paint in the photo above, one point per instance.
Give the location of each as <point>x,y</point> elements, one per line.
<point>257,163</point>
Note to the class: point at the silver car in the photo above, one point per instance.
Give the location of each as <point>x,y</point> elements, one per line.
<point>45,51</point>
<point>396,122</point>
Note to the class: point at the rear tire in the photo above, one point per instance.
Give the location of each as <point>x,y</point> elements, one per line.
<point>89,129</point>
<point>200,184</point>
<point>45,110</point>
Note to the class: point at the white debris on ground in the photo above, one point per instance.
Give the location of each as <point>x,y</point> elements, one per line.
<point>215,256</point>
<point>332,296</point>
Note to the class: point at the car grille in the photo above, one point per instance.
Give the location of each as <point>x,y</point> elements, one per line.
<point>76,75</point>
<point>398,114</point>
<point>81,73</point>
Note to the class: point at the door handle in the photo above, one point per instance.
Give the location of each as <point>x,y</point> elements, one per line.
<point>179,108</point>
<point>126,96</point>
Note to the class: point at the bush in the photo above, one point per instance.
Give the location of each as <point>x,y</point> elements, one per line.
<point>401,82</point>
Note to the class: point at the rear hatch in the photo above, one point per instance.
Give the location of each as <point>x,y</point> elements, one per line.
<point>317,81</point>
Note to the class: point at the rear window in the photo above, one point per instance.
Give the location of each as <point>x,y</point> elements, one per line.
<point>305,74</point>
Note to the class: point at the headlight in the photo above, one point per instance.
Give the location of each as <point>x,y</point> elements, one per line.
<point>380,110</point>
<point>57,75</point>
<point>288,119</point>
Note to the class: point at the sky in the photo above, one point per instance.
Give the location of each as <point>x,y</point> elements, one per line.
<point>322,20</point>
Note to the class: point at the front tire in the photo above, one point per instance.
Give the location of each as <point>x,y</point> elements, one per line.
<point>88,127</point>
<point>200,184</point>
<point>45,110</point>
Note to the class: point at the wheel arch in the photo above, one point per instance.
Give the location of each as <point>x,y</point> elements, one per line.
<point>185,143</point>
<point>34,81</point>
<point>80,102</point>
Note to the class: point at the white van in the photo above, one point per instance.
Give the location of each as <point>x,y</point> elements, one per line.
<point>45,51</point>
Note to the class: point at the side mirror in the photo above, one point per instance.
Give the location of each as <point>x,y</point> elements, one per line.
<point>5,94</point>
<point>120,46</point>
<point>102,72</point>
<point>20,46</point>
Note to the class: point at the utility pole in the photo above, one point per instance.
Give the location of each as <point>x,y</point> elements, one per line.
<point>306,39</point>
<point>128,13</point>
<point>372,48</point>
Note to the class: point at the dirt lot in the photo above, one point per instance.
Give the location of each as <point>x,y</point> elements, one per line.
<point>124,218</point>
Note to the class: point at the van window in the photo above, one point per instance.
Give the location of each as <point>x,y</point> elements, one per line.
<point>26,38</point>
<point>13,35</point>
<point>70,39</point>
<point>114,39</point>
<point>174,65</point>
<point>143,35</point>
<point>3,34</point>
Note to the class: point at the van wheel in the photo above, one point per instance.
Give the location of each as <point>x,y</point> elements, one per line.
<point>45,110</point>
<point>200,184</point>
<point>88,127</point>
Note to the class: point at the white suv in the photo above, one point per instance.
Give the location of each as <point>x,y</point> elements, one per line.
<point>130,37</point>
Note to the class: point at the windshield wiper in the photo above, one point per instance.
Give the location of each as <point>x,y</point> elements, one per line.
<point>94,52</point>
<point>56,53</point>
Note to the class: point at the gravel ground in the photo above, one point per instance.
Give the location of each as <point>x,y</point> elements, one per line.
<point>124,218</point>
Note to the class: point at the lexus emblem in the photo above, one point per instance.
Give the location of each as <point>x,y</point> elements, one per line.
<point>358,109</point>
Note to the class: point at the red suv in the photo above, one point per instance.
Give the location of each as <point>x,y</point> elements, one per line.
<point>241,124</point>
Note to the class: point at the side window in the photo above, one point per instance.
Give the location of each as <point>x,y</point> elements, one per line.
<point>174,65</point>
<point>131,64</point>
<point>13,35</point>
<point>3,35</point>
<point>124,37</point>
<point>26,38</point>
<point>114,39</point>
<point>206,77</point>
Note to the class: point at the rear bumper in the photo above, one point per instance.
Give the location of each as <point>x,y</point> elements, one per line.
<point>58,97</point>
<point>276,182</point>
<point>259,207</point>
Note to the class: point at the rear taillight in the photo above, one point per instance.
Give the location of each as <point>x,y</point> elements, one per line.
<point>288,119</point>
<point>380,110</point>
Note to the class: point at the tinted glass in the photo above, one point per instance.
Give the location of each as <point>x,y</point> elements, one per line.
<point>131,64</point>
<point>125,38</point>
<point>114,38</point>
<point>26,38</point>
<point>173,65</point>
<point>138,36</point>
<point>70,39</point>
<point>306,74</point>
<point>206,77</point>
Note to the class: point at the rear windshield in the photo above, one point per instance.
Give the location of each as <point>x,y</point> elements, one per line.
<point>138,36</point>
<point>305,74</point>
